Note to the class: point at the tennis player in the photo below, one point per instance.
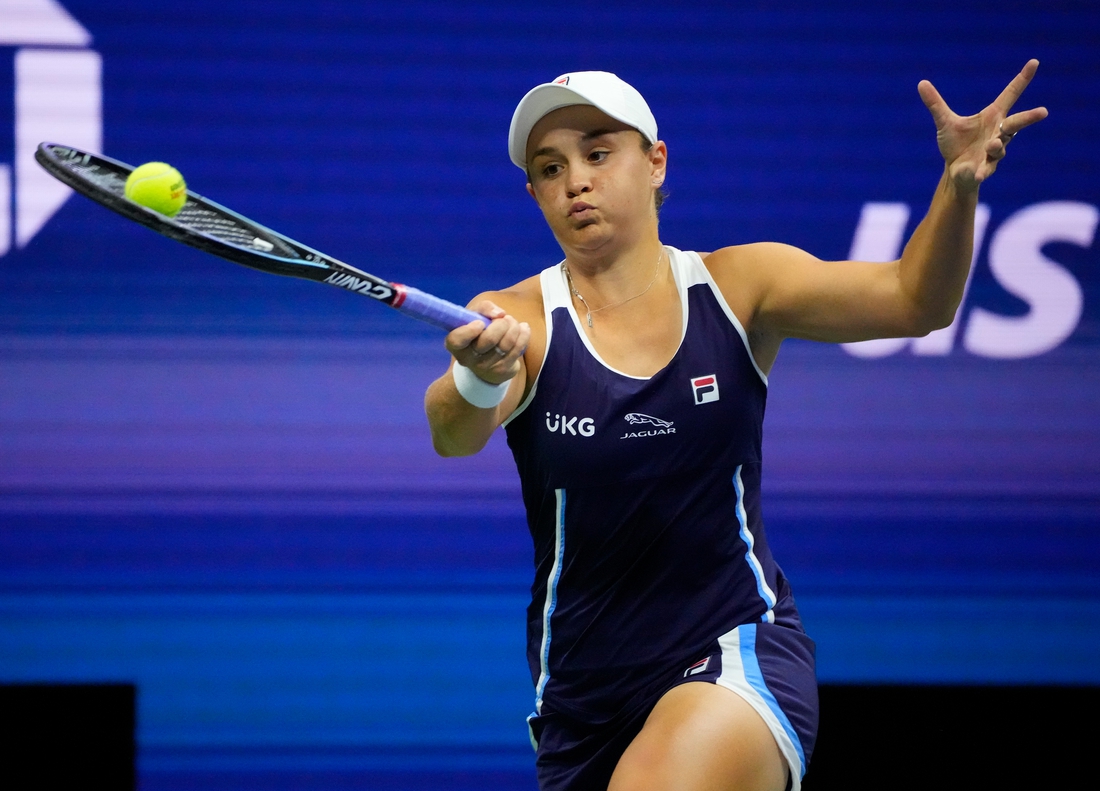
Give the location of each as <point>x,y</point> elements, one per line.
<point>665,646</point>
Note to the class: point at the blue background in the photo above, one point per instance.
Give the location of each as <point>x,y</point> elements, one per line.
<point>218,484</point>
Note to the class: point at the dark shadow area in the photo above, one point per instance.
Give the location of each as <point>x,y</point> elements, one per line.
<point>67,736</point>
<point>948,737</point>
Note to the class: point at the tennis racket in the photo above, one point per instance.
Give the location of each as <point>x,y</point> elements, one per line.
<point>204,224</point>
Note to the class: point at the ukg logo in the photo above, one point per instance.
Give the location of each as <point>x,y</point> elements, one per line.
<point>58,97</point>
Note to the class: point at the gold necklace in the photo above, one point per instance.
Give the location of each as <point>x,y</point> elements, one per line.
<point>589,310</point>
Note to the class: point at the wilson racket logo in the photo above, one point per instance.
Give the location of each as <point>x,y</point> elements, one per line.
<point>360,285</point>
<point>705,389</point>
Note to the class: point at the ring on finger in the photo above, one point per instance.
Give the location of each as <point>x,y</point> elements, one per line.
<point>1006,135</point>
<point>500,351</point>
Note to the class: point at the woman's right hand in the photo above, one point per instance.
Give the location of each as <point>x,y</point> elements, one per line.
<point>492,352</point>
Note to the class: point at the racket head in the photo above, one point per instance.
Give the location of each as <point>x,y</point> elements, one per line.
<point>213,228</point>
<point>201,223</point>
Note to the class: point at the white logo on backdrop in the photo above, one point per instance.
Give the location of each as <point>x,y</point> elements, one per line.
<point>1052,294</point>
<point>57,98</point>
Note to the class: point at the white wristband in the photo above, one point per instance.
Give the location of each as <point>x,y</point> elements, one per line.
<point>475,389</point>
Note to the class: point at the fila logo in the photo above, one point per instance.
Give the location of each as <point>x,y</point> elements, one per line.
<point>705,389</point>
<point>562,80</point>
<point>699,667</point>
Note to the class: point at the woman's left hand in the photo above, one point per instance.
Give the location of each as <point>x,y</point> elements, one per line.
<point>973,145</point>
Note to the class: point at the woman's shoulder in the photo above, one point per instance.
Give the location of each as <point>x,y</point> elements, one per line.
<point>522,300</point>
<point>745,255</point>
<point>748,270</point>
<point>748,255</point>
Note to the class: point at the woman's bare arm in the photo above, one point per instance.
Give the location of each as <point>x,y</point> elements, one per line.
<point>780,291</point>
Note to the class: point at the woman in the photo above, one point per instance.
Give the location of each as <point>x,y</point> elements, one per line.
<point>631,379</point>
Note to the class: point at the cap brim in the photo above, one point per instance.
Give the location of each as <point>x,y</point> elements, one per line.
<point>539,102</point>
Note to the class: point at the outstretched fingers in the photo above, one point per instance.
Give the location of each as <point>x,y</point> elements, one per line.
<point>1015,89</point>
<point>973,145</point>
<point>1017,121</point>
<point>1011,124</point>
<point>941,113</point>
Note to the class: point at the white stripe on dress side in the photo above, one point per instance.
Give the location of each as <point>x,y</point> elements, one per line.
<point>720,297</point>
<point>766,593</point>
<point>741,674</point>
<point>551,596</point>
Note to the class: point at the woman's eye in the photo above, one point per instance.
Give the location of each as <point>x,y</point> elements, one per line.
<point>551,170</point>
<point>598,156</point>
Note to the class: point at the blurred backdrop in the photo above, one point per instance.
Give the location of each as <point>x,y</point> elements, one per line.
<point>218,484</point>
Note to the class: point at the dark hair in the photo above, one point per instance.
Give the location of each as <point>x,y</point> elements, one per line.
<point>659,194</point>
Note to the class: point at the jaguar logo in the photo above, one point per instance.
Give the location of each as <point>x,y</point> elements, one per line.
<point>637,417</point>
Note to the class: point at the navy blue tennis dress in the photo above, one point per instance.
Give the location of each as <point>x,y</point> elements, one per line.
<point>652,569</point>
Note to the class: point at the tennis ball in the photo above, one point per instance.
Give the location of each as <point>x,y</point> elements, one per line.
<point>158,186</point>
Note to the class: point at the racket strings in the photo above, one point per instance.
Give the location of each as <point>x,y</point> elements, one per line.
<point>109,180</point>
<point>228,229</point>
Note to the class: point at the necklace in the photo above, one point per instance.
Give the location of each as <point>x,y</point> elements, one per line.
<point>584,302</point>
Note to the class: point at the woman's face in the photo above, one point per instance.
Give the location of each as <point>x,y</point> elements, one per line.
<point>592,179</point>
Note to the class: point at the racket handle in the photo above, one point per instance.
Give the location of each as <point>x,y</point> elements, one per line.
<point>439,312</point>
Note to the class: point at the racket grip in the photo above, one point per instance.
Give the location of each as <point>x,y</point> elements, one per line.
<point>438,312</point>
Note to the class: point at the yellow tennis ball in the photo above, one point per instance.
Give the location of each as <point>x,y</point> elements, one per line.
<point>158,186</point>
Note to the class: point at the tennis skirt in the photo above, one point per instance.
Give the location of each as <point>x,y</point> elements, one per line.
<point>770,666</point>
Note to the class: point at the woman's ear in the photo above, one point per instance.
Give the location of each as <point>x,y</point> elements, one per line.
<point>658,161</point>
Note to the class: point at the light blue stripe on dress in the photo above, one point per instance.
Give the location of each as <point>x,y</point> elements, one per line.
<point>762,588</point>
<point>755,677</point>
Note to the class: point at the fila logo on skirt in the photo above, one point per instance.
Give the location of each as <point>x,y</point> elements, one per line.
<point>699,667</point>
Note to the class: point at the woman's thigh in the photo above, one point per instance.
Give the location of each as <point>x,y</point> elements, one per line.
<point>702,737</point>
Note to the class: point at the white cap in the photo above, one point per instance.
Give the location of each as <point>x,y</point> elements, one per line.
<point>599,89</point>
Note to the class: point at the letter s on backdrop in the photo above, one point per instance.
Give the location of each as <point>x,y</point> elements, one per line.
<point>1053,295</point>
